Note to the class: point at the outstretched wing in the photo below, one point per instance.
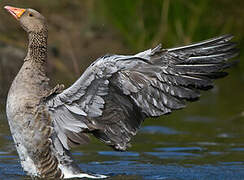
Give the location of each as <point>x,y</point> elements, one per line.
<point>116,93</point>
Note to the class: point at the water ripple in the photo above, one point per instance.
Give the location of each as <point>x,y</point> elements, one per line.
<point>170,149</point>
<point>159,129</point>
<point>172,155</point>
<point>116,153</point>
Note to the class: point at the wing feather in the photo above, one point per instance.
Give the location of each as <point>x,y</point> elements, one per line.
<point>116,93</point>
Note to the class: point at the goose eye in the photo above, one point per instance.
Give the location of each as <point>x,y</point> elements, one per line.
<point>30,15</point>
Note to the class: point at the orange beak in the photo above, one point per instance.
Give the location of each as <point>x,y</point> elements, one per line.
<point>16,12</point>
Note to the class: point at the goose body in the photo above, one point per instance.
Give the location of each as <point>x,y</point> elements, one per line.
<point>110,100</point>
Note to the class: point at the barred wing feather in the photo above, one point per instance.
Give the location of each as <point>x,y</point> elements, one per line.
<point>116,93</point>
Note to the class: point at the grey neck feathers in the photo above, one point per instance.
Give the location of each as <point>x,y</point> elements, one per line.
<point>37,48</point>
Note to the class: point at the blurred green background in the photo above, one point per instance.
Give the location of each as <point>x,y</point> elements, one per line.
<point>82,30</point>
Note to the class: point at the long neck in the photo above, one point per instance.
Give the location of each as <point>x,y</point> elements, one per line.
<point>37,48</point>
<point>35,63</point>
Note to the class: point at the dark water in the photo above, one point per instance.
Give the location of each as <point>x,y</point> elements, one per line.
<point>204,141</point>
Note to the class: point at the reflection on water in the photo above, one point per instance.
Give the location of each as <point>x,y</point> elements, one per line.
<point>165,159</point>
<point>135,169</point>
<point>158,129</point>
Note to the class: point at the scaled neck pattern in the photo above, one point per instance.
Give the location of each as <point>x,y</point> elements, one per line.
<point>37,48</point>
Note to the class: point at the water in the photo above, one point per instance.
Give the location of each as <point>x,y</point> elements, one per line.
<point>203,141</point>
<point>214,158</point>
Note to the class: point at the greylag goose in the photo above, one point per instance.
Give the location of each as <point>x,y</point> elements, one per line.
<point>110,100</point>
